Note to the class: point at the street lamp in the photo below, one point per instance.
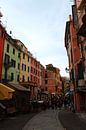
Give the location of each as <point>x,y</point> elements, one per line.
<point>67,70</point>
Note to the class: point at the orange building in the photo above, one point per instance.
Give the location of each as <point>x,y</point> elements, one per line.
<point>75,43</point>
<point>52,79</point>
<point>81,33</point>
<point>35,76</point>
<point>73,52</point>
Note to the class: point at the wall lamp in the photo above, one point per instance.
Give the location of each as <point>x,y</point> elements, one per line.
<point>67,70</point>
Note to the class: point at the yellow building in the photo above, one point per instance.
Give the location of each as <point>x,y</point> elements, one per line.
<point>25,61</point>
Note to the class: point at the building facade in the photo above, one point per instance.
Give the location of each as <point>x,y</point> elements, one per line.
<point>81,9</point>
<point>75,43</point>
<point>24,62</point>
<point>11,60</point>
<point>53,82</point>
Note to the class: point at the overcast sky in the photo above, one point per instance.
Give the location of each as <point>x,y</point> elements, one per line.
<point>40,25</point>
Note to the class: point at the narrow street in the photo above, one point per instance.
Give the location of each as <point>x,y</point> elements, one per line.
<point>49,119</point>
<point>45,120</point>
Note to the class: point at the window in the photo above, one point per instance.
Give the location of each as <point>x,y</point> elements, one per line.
<point>28,68</point>
<point>45,81</point>
<point>13,51</point>
<point>8,48</point>
<point>31,77</point>
<point>7,59</point>
<point>23,67</point>
<point>17,77</point>
<point>12,76</point>
<point>13,63</point>
<point>45,75</point>
<point>18,66</point>
<point>19,55</point>
<point>34,71</point>
<point>28,78</point>
<point>31,70</point>
<point>28,58</point>
<point>23,55</point>
<point>46,89</point>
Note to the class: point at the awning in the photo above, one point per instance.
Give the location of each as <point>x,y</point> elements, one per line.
<point>18,86</point>
<point>5,92</point>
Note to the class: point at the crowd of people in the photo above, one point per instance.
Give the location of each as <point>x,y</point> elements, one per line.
<point>58,102</point>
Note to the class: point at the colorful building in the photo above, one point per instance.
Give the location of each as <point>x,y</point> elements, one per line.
<point>11,60</point>
<point>25,61</point>
<point>81,14</point>
<point>35,76</point>
<point>75,43</point>
<point>53,82</point>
